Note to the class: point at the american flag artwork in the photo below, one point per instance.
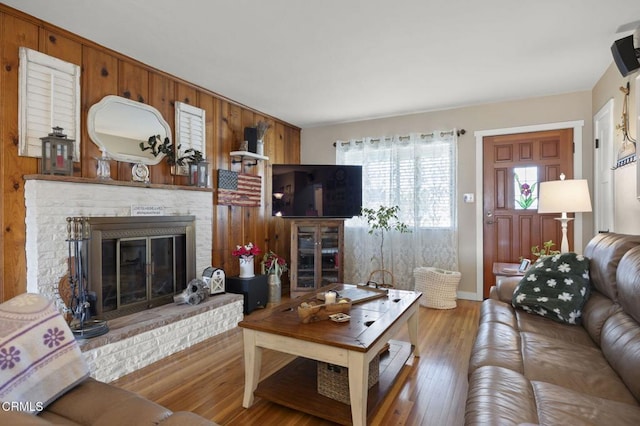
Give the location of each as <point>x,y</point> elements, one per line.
<point>239,189</point>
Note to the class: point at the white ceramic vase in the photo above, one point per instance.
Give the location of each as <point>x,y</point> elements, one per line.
<point>246,267</point>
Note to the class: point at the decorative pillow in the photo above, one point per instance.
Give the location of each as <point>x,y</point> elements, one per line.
<point>39,356</point>
<point>555,287</point>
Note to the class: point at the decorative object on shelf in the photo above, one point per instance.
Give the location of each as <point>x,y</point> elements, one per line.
<point>246,254</point>
<point>627,151</point>
<point>78,236</point>
<point>262,128</point>
<point>140,173</point>
<point>195,293</point>
<point>103,169</point>
<point>57,154</point>
<point>215,279</point>
<point>198,170</point>
<point>274,265</point>
<point>562,196</point>
<point>239,189</point>
<point>381,220</point>
<point>251,137</point>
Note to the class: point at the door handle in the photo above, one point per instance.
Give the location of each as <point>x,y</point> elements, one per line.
<point>489,215</point>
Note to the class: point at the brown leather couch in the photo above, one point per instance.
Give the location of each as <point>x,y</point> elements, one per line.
<point>527,369</point>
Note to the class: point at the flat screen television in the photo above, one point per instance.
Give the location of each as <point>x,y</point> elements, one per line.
<point>316,190</point>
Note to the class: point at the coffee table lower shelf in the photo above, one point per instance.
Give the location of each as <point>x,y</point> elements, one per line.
<point>295,386</point>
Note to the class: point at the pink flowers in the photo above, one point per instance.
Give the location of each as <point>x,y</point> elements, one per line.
<point>246,250</point>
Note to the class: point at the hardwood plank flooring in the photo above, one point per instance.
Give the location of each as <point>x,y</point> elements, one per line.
<point>208,378</point>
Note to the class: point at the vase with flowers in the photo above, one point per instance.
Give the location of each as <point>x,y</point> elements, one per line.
<point>274,265</point>
<point>245,254</point>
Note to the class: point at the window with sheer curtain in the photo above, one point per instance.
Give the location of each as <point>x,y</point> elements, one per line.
<point>418,174</point>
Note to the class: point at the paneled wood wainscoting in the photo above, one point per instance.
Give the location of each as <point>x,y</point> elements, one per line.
<point>208,378</point>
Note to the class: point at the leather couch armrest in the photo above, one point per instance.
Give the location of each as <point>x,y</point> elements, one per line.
<point>503,290</point>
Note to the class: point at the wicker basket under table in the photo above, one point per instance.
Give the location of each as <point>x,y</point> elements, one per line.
<point>333,380</point>
<point>439,287</point>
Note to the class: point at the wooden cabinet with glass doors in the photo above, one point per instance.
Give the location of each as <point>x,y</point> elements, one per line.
<point>317,253</point>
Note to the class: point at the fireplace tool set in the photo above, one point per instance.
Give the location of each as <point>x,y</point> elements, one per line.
<point>82,325</point>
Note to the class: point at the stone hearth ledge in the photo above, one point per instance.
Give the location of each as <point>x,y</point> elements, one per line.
<point>140,339</point>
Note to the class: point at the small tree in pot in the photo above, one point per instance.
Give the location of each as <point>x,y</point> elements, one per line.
<point>381,220</point>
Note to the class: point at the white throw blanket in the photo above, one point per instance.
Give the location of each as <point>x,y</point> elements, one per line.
<point>39,356</point>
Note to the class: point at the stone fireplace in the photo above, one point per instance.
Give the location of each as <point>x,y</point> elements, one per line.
<point>141,338</point>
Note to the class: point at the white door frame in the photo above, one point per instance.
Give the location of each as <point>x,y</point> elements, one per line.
<point>577,174</point>
<point>603,159</point>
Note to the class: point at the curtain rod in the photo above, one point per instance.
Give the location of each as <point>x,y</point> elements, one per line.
<point>422,135</point>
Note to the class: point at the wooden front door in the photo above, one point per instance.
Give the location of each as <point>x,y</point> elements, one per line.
<point>513,166</point>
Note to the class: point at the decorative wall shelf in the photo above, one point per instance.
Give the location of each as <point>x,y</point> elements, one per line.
<point>247,155</point>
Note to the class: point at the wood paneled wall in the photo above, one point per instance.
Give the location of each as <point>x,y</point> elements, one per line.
<point>105,72</point>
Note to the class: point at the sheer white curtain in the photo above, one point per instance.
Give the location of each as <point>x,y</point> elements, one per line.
<point>417,173</point>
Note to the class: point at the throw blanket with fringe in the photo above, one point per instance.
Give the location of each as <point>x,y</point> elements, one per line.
<point>39,356</point>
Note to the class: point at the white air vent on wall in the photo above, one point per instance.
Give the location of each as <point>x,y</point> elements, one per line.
<point>49,96</point>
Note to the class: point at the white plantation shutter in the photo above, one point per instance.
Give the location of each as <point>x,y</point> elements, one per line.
<point>190,128</point>
<point>49,97</point>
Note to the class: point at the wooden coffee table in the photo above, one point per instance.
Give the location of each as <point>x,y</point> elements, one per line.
<point>374,321</point>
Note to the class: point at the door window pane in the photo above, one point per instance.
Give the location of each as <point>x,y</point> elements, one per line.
<point>525,188</point>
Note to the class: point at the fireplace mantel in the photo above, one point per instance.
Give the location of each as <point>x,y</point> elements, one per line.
<point>74,179</point>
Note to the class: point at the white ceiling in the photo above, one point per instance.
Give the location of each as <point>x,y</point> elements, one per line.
<point>313,63</point>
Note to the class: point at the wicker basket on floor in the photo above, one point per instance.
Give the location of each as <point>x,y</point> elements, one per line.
<point>333,380</point>
<point>439,287</point>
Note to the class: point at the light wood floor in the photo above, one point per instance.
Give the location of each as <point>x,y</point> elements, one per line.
<point>208,378</point>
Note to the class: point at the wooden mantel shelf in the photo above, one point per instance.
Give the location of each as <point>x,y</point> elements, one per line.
<point>74,179</point>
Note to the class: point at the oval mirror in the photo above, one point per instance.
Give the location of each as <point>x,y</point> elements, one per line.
<point>118,125</point>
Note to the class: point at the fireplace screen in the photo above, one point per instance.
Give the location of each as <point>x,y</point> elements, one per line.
<point>139,266</point>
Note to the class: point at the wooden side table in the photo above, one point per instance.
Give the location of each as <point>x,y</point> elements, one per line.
<point>501,269</point>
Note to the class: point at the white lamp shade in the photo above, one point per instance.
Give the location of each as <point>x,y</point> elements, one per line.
<point>559,196</point>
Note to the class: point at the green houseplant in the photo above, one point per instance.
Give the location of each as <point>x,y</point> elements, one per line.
<point>382,220</point>
<point>159,146</point>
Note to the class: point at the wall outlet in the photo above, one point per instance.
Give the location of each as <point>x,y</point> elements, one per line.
<point>469,198</point>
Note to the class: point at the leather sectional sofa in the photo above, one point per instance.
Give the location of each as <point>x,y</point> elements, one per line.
<point>528,369</point>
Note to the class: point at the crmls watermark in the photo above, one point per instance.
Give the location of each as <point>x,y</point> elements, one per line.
<point>29,406</point>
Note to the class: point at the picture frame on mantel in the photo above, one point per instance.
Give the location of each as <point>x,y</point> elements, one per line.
<point>190,133</point>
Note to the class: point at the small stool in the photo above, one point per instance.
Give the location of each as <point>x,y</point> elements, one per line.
<point>439,287</point>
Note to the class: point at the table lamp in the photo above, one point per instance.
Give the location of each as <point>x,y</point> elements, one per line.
<point>564,196</point>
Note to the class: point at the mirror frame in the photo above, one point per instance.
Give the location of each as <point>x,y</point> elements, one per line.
<point>145,157</point>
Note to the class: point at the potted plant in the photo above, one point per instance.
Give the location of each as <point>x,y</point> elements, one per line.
<point>545,250</point>
<point>192,158</point>
<point>381,220</point>
<point>245,254</point>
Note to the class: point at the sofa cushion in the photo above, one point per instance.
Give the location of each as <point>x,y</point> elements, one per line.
<point>605,252</point>
<point>555,287</point>
<point>39,356</point>
<point>499,396</point>
<point>558,405</point>
<point>581,368</point>
<point>621,347</point>
<point>628,280</point>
